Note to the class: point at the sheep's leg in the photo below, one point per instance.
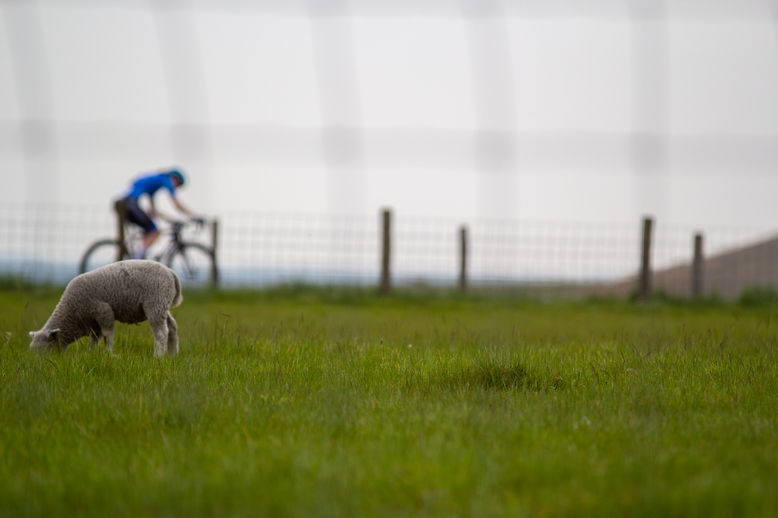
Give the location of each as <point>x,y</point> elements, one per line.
<point>172,336</point>
<point>159,326</point>
<point>106,321</point>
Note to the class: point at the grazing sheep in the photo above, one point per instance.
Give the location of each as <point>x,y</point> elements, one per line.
<point>127,291</point>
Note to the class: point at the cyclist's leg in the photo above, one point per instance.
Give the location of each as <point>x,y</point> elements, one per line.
<point>150,237</point>
<point>136,215</point>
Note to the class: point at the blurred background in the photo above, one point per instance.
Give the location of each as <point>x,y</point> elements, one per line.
<point>585,112</point>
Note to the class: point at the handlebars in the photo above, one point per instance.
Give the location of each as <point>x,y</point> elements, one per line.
<point>177,226</point>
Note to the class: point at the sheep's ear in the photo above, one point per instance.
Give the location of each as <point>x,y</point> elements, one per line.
<point>53,333</point>
<point>32,334</point>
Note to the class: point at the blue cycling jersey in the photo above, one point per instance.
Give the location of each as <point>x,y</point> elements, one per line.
<point>150,184</point>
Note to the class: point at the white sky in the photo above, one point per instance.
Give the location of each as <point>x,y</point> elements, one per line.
<point>261,84</point>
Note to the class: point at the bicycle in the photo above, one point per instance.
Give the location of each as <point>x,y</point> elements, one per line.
<point>194,263</point>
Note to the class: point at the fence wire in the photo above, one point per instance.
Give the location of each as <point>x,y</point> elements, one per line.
<point>44,244</point>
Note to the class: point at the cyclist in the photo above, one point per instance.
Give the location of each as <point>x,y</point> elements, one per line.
<point>148,184</point>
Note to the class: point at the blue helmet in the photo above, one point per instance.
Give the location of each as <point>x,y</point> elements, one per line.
<point>176,173</point>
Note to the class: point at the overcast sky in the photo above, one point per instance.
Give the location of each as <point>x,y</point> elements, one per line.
<point>572,111</point>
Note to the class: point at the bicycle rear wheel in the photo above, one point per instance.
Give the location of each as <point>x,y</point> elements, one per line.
<point>192,263</point>
<point>99,254</point>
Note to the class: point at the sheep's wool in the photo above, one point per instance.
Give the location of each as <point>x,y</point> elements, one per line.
<point>127,291</point>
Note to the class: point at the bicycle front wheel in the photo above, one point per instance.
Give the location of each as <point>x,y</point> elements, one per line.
<point>192,263</point>
<point>99,254</point>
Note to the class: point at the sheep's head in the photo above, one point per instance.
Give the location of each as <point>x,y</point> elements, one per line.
<point>43,339</point>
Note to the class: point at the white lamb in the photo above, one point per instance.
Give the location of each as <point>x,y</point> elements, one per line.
<point>128,291</point>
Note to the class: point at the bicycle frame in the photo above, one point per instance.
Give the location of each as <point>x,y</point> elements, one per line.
<point>195,258</point>
<point>133,236</point>
<point>175,245</point>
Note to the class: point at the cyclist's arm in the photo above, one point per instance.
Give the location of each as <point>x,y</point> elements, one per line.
<point>180,206</point>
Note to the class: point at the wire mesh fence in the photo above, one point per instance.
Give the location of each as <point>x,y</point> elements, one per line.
<point>262,249</point>
<point>45,244</point>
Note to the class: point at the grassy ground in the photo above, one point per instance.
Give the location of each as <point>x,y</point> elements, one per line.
<point>343,404</point>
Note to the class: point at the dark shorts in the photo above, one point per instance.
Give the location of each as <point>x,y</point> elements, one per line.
<point>137,216</point>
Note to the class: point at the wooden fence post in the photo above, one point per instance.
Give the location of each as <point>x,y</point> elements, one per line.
<point>697,267</point>
<point>214,242</point>
<point>463,258</point>
<point>121,217</point>
<point>644,282</point>
<point>386,246</point>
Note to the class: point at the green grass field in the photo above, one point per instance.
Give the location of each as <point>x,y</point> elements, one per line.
<point>337,403</point>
